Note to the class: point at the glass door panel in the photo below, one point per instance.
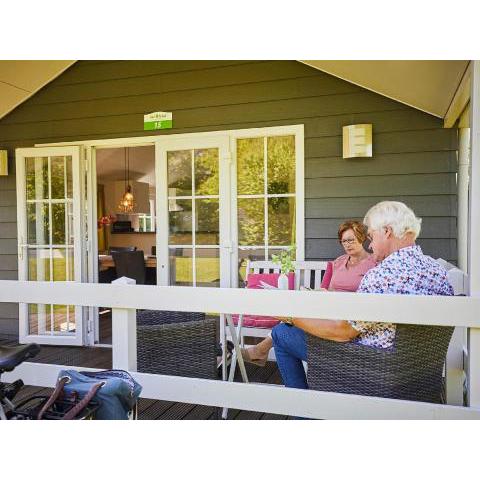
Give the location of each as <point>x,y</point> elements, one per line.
<point>266,197</point>
<point>197,232</point>
<point>49,233</point>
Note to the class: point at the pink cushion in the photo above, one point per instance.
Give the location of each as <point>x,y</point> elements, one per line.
<point>327,277</point>
<point>254,281</point>
<point>256,321</point>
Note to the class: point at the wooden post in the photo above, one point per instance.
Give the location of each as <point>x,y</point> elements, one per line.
<point>473,373</point>
<point>124,334</point>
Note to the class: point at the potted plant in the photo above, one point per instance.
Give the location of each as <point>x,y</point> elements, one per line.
<point>285,260</point>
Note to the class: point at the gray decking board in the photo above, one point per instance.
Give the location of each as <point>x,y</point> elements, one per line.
<point>202,412</point>
<point>156,410</point>
<point>177,411</point>
<point>87,357</point>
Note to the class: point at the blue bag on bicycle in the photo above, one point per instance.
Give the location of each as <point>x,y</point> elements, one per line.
<point>117,396</point>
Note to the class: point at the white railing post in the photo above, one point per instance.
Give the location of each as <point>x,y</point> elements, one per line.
<point>463,179</point>
<point>454,364</point>
<point>473,374</point>
<point>124,334</point>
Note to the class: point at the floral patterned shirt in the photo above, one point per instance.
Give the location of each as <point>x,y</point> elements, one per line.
<point>405,272</point>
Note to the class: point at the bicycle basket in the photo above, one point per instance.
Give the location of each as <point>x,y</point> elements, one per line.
<point>29,408</point>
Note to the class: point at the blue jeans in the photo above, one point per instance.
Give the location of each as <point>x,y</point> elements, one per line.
<point>290,348</point>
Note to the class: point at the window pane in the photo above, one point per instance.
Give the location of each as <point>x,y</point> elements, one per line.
<point>207,267</point>
<point>70,178</point>
<point>36,178</point>
<point>57,175</point>
<point>38,319</point>
<point>69,233</point>
<point>179,173</point>
<point>59,256</point>
<point>38,226</point>
<point>250,166</point>
<point>206,171</point>
<point>251,221</point>
<point>71,266</point>
<point>277,251</point>
<point>281,164</point>
<point>207,228</point>
<point>39,264</point>
<point>181,266</point>
<point>58,223</point>
<point>180,222</point>
<point>243,256</point>
<point>281,221</point>
<point>63,319</point>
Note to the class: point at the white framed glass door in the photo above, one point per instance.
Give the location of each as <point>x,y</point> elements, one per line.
<point>267,196</point>
<point>193,220</point>
<point>49,216</point>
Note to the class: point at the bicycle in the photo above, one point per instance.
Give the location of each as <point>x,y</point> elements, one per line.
<point>119,401</point>
<point>38,407</point>
<point>10,358</point>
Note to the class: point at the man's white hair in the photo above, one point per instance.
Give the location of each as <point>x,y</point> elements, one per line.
<point>396,215</point>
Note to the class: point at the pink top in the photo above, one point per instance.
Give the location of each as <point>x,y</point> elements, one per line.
<point>347,279</point>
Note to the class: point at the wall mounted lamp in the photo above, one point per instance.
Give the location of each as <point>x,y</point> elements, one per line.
<point>3,162</point>
<point>357,140</point>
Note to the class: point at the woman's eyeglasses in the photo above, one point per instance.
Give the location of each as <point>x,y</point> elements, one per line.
<point>348,241</point>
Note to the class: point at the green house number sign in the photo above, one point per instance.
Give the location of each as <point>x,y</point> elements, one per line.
<point>157,121</point>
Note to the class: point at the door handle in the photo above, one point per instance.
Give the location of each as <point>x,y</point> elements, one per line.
<point>20,251</point>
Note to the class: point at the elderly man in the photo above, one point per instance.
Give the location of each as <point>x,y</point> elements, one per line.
<point>401,268</point>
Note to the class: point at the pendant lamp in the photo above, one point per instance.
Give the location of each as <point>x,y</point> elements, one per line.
<point>127,202</point>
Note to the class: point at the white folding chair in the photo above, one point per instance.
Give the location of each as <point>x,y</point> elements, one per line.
<point>308,274</point>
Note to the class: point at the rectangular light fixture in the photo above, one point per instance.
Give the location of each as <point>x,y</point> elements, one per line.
<point>357,140</point>
<point>3,162</point>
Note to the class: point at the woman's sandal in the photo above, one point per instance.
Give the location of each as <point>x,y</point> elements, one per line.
<point>261,362</point>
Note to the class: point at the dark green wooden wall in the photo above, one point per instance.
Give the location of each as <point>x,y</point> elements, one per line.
<point>414,157</point>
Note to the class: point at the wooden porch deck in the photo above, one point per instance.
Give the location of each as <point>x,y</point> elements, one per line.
<point>98,357</point>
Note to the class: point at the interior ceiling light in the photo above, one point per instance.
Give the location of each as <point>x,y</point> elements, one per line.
<point>127,202</point>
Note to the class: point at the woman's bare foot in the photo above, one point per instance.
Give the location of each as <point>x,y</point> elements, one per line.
<point>258,354</point>
<point>249,356</point>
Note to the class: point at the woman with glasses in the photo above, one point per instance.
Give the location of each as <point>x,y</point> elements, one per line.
<point>343,275</point>
<point>349,269</point>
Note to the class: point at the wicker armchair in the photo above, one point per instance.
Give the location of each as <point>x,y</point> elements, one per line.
<point>177,343</point>
<point>410,370</point>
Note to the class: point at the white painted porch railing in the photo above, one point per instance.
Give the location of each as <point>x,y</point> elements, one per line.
<point>125,299</point>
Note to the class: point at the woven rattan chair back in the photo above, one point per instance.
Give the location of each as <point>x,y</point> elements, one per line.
<point>177,343</point>
<point>410,370</point>
<point>121,249</point>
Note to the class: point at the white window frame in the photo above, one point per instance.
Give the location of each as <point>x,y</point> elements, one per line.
<point>190,143</point>
<point>77,338</point>
<point>298,132</point>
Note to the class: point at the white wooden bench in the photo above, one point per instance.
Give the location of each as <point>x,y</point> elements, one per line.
<point>308,274</point>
